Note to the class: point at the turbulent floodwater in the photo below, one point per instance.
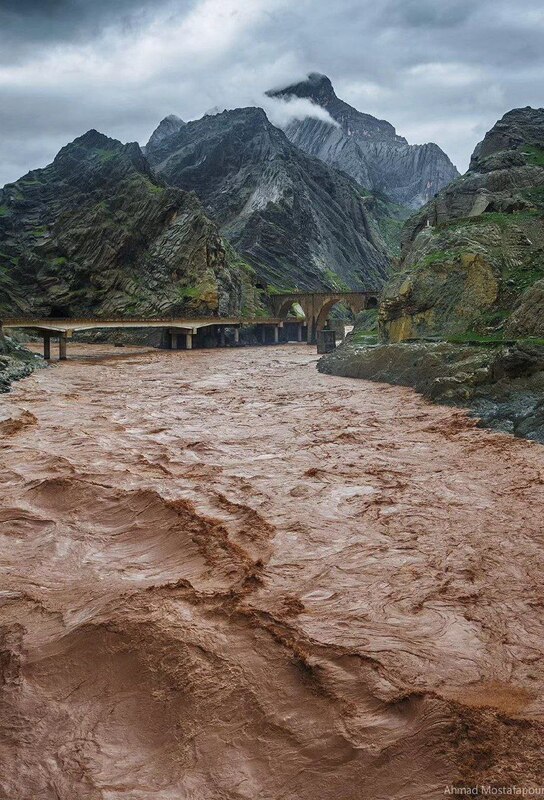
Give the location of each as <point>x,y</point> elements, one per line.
<point>227,576</point>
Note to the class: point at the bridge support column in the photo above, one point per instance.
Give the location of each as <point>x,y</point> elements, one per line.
<point>276,334</point>
<point>299,332</point>
<point>188,341</point>
<point>237,336</point>
<point>62,346</point>
<point>310,333</point>
<point>47,346</point>
<point>174,340</point>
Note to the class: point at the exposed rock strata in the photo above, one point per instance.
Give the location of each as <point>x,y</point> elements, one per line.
<point>367,148</point>
<point>298,222</point>
<point>96,232</point>
<point>473,257</point>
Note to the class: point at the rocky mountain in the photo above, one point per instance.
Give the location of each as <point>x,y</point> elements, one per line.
<point>473,258</point>
<point>166,127</point>
<point>297,221</point>
<point>96,232</point>
<point>367,148</point>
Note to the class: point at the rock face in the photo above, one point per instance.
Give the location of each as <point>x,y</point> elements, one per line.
<point>96,232</point>
<point>298,222</point>
<point>473,258</point>
<point>16,362</point>
<point>166,127</point>
<point>367,148</point>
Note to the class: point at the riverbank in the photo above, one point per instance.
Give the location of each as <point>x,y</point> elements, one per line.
<point>224,573</point>
<point>503,386</point>
<point>16,362</point>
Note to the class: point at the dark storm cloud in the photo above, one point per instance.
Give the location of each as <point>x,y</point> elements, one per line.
<point>439,70</point>
<point>55,20</point>
<point>429,13</point>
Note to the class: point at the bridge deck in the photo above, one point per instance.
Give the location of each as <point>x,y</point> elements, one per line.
<point>63,326</point>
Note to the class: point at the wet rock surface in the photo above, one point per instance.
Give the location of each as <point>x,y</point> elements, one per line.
<point>228,576</point>
<point>16,362</point>
<point>502,385</point>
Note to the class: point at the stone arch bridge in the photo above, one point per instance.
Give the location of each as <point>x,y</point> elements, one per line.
<point>317,306</point>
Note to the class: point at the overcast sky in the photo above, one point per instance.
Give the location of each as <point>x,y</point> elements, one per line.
<point>439,70</point>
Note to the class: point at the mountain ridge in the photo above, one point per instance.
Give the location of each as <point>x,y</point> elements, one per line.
<point>96,232</point>
<point>298,222</point>
<point>368,149</point>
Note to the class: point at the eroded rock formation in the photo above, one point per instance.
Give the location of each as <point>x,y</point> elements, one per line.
<point>474,256</point>
<point>298,222</point>
<point>368,149</point>
<point>97,232</point>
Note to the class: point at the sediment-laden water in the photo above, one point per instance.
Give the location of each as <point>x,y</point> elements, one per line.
<point>226,576</point>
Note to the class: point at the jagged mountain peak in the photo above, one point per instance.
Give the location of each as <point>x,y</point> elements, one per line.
<point>295,220</point>
<point>96,232</point>
<point>168,126</point>
<point>229,129</point>
<point>316,87</point>
<point>319,89</point>
<point>367,148</point>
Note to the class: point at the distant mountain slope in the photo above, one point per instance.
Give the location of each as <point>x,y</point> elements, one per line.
<point>473,258</point>
<point>367,148</point>
<point>298,222</point>
<point>96,232</point>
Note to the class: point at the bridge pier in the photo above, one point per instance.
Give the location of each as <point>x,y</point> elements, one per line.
<point>174,341</point>
<point>47,347</point>
<point>310,332</point>
<point>63,340</point>
<point>299,332</point>
<point>188,341</point>
<point>276,334</point>
<point>237,336</point>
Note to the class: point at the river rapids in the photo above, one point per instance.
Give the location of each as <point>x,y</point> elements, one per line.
<point>228,577</point>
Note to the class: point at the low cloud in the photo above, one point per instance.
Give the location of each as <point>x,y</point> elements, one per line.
<point>439,70</point>
<point>282,111</point>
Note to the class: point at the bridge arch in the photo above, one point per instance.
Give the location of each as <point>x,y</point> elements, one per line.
<point>327,307</point>
<point>317,306</point>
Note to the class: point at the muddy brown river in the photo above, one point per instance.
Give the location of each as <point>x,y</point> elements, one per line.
<point>228,577</point>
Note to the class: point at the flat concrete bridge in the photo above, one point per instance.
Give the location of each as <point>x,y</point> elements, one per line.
<point>181,330</point>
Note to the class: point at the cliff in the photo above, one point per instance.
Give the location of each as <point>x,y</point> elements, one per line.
<point>96,232</point>
<point>367,148</point>
<point>473,258</point>
<point>298,222</point>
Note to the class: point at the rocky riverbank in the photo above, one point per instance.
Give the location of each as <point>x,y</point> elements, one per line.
<point>502,385</point>
<point>16,362</point>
